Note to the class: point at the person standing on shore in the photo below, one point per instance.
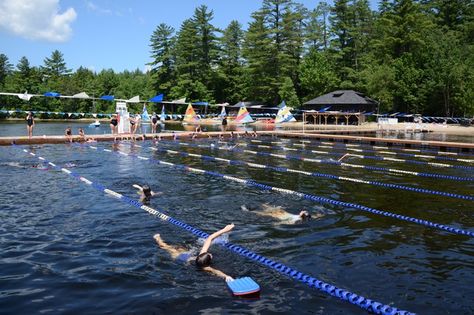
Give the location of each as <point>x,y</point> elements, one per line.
<point>113,124</point>
<point>30,123</point>
<point>68,134</point>
<point>224,123</point>
<point>154,122</point>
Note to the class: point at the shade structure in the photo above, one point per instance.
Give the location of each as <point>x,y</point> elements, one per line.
<point>157,98</point>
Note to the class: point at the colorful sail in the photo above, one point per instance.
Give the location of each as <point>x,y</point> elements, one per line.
<point>284,114</point>
<point>190,115</point>
<point>145,116</point>
<point>163,114</point>
<point>243,116</point>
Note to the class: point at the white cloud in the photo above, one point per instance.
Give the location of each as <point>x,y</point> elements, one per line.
<point>93,7</point>
<point>38,19</point>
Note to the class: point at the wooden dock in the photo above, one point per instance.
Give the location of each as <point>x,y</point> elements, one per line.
<point>343,136</point>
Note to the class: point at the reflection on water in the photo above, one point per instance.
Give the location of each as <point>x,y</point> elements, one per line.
<point>67,248</point>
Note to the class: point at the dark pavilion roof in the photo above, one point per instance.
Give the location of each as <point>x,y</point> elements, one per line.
<point>342,97</point>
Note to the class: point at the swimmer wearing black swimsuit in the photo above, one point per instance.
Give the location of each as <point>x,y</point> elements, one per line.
<point>29,121</point>
<point>68,132</point>
<point>154,119</point>
<point>114,122</point>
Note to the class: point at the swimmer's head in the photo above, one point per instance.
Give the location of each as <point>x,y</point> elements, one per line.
<point>305,215</point>
<point>204,260</point>
<point>146,190</point>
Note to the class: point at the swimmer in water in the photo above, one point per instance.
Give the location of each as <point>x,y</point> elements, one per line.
<point>146,193</point>
<point>282,215</point>
<point>204,259</point>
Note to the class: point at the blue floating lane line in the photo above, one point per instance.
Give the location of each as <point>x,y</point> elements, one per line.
<point>380,150</point>
<point>208,158</point>
<point>336,163</point>
<point>358,300</point>
<point>372,157</point>
<point>318,199</point>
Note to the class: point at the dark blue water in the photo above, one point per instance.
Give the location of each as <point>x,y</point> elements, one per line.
<point>67,248</point>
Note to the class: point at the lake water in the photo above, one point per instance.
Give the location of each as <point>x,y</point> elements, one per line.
<point>67,248</point>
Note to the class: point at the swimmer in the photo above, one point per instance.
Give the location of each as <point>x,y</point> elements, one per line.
<point>280,214</point>
<point>146,193</point>
<point>343,157</point>
<point>203,259</point>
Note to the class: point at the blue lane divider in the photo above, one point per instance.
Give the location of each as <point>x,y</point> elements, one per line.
<point>318,199</point>
<point>372,157</point>
<point>377,149</point>
<point>208,158</point>
<point>358,300</point>
<point>342,164</point>
<point>394,147</point>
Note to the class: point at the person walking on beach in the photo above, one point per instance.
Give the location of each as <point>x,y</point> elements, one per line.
<point>113,124</point>
<point>30,123</point>
<point>204,259</point>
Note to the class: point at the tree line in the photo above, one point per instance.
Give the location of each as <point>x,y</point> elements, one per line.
<point>411,56</point>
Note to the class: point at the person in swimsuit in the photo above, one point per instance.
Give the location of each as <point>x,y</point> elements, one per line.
<point>113,124</point>
<point>82,135</point>
<point>224,123</point>
<point>154,122</point>
<point>146,193</point>
<point>68,134</point>
<point>133,125</point>
<point>282,215</point>
<point>204,258</point>
<point>30,123</point>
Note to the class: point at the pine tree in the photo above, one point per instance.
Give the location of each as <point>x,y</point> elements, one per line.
<point>162,52</point>
<point>261,82</point>
<point>5,69</point>
<point>231,64</point>
<point>55,66</point>
<point>317,29</point>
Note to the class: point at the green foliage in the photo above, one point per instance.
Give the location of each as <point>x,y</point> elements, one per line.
<point>414,56</point>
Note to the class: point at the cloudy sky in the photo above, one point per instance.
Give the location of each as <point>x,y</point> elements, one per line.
<point>100,34</point>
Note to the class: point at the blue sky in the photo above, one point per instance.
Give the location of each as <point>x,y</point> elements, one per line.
<point>102,34</point>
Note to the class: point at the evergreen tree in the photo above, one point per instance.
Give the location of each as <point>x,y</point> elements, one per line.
<point>190,79</point>
<point>55,66</point>
<point>317,29</point>
<point>5,69</point>
<point>260,71</point>
<point>162,53</point>
<point>231,64</point>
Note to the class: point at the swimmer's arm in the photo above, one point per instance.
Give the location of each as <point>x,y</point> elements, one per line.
<point>156,193</point>
<point>218,273</point>
<point>137,187</point>
<point>208,241</point>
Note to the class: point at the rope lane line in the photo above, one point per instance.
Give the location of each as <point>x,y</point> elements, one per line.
<point>355,299</point>
<point>318,199</point>
<point>393,148</point>
<point>208,158</point>
<point>342,164</point>
<point>344,147</point>
<point>372,157</point>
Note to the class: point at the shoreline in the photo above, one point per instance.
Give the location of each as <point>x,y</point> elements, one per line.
<point>298,126</point>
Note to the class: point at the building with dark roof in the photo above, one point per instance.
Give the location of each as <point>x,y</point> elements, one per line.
<point>343,101</point>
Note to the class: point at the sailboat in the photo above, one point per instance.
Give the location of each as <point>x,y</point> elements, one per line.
<point>163,115</point>
<point>145,117</point>
<point>243,116</point>
<point>190,116</point>
<point>284,115</point>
